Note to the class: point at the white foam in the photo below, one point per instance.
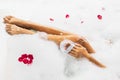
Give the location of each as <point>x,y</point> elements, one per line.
<point>49,62</point>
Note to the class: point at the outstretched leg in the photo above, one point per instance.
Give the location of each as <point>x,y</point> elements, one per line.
<point>49,30</point>
<point>80,40</point>
<point>35,26</point>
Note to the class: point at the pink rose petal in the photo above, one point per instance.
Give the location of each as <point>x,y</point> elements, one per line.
<point>103,8</point>
<point>67,16</point>
<point>51,19</point>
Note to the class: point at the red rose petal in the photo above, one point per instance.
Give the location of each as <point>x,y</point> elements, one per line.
<point>30,56</point>
<point>20,59</point>
<point>25,61</point>
<point>24,56</point>
<point>30,61</point>
<point>99,17</point>
<point>51,19</point>
<point>67,16</point>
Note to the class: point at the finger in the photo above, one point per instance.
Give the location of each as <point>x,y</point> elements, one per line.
<point>86,44</point>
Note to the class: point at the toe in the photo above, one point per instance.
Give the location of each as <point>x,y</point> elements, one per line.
<point>9,17</point>
<point>6,20</point>
<point>9,32</point>
<point>8,25</point>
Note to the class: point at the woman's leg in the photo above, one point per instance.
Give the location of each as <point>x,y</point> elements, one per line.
<point>35,26</point>
<point>49,30</point>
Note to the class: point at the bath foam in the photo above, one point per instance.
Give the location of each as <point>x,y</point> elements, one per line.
<point>47,63</point>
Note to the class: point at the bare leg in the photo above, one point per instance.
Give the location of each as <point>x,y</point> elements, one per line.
<point>49,30</point>
<point>79,50</point>
<point>59,38</point>
<point>35,26</point>
<point>80,40</point>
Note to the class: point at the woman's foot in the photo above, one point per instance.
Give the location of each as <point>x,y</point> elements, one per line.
<point>14,30</point>
<point>9,19</point>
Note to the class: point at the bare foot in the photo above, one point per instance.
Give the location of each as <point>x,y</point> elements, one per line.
<point>34,26</point>
<point>8,19</point>
<point>14,30</point>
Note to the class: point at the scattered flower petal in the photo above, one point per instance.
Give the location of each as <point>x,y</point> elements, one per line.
<point>51,19</point>
<point>20,59</point>
<point>99,17</point>
<point>30,61</point>
<point>30,56</point>
<point>26,58</point>
<point>103,8</point>
<point>67,16</point>
<point>25,61</point>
